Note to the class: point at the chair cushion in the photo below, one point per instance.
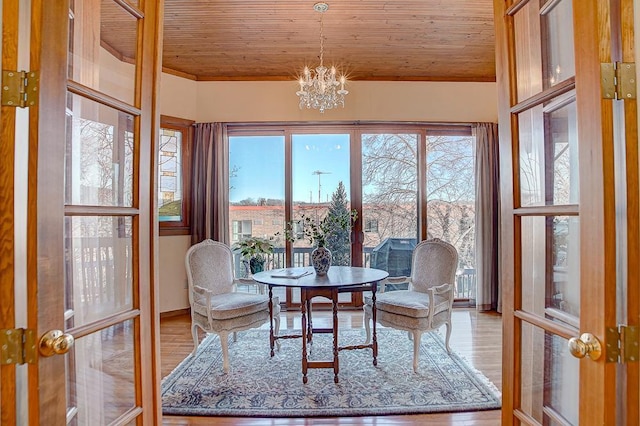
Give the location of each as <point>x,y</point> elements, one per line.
<point>244,322</point>
<point>400,322</point>
<point>403,322</point>
<point>404,302</point>
<point>233,305</point>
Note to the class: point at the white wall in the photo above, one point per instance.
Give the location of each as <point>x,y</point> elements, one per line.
<point>173,278</point>
<point>253,101</point>
<point>236,101</point>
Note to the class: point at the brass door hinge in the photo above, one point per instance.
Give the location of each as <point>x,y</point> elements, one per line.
<point>17,346</point>
<point>618,80</point>
<point>19,88</point>
<point>622,344</point>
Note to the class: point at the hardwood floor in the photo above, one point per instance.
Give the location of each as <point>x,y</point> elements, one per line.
<point>475,336</point>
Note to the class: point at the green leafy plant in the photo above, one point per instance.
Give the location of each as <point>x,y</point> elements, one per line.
<point>317,231</point>
<point>255,249</point>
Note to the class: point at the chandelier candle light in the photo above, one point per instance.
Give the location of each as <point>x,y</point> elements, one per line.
<point>319,87</point>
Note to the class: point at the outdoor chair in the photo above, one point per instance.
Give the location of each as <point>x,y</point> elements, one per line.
<point>427,303</point>
<point>216,306</point>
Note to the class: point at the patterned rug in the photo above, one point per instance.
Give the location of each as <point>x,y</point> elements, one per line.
<point>260,386</point>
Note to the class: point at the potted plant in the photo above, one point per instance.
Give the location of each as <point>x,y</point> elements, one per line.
<point>255,250</point>
<point>317,232</point>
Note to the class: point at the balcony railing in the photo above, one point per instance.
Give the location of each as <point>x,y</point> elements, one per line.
<point>465,278</point>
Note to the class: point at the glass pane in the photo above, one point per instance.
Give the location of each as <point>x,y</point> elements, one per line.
<point>102,47</point>
<point>451,202</point>
<point>170,176</point>
<point>544,47</point>
<point>562,141</point>
<point>550,378</point>
<point>256,198</point>
<point>390,202</point>
<point>528,50</point>
<point>321,189</point>
<point>99,157</point>
<point>549,159</point>
<point>98,270</point>
<point>551,267</point>
<point>558,23</point>
<point>101,375</point>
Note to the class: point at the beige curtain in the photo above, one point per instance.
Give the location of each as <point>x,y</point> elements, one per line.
<point>210,180</point>
<point>488,289</point>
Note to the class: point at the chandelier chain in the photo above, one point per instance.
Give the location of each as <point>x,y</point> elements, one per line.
<point>321,40</point>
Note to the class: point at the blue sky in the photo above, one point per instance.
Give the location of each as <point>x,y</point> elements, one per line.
<point>260,166</point>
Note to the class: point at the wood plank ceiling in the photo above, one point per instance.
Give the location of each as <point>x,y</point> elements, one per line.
<point>413,40</point>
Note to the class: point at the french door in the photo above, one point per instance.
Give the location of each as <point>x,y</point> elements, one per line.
<point>88,234</point>
<point>569,193</point>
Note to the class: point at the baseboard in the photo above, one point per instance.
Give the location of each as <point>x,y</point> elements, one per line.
<point>179,312</point>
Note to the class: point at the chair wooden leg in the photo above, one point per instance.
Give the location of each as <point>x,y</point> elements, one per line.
<point>235,336</point>
<point>194,333</point>
<point>224,343</point>
<point>417,335</point>
<point>367,326</point>
<point>446,341</point>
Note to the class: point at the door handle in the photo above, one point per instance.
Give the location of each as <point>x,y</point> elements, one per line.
<point>586,344</point>
<point>55,342</point>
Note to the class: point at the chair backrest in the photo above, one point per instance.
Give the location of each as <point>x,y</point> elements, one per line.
<point>434,263</point>
<point>210,265</point>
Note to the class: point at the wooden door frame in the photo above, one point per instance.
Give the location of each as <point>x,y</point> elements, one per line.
<point>151,60</point>
<point>505,67</point>
<point>625,14</point>
<point>10,24</point>
<point>597,223</point>
<point>45,257</point>
<point>597,207</point>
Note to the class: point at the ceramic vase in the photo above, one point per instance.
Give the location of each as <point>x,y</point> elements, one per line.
<point>256,265</point>
<point>321,260</point>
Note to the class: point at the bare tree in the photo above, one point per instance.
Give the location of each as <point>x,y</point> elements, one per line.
<point>390,184</point>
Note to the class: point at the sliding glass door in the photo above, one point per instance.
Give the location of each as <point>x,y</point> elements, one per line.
<point>256,197</point>
<point>450,200</point>
<point>407,183</point>
<point>390,201</point>
<point>321,170</point>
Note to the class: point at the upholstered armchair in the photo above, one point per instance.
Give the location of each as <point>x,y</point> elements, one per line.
<point>216,306</point>
<point>427,303</point>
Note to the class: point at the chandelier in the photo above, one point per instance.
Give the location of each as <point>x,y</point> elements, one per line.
<point>319,87</point>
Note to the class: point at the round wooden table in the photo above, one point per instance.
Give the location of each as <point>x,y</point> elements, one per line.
<point>339,279</point>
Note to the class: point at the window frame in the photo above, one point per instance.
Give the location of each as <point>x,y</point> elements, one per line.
<point>184,126</point>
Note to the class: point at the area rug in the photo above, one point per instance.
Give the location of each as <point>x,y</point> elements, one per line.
<point>260,386</point>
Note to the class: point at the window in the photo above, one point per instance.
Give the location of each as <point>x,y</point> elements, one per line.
<point>241,229</point>
<point>174,153</point>
<point>371,225</point>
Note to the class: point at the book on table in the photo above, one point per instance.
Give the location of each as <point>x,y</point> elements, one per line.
<point>290,273</point>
